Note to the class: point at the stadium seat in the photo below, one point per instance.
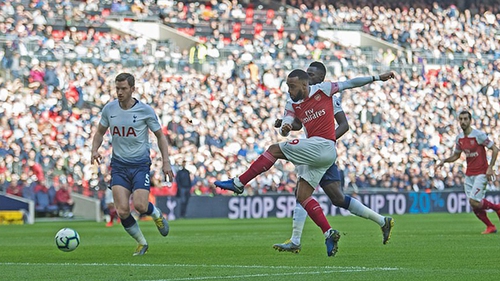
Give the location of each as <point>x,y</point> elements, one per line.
<point>43,206</point>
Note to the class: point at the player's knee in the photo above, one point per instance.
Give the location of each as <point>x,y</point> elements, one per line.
<point>337,201</point>
<point>474,204</point>
<point>123,213</point>
<point>141,207</point>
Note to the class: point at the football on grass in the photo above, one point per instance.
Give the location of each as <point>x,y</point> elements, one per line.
<point>67,239</point>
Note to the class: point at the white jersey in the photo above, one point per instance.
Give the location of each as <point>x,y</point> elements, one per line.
<point>129,132</point>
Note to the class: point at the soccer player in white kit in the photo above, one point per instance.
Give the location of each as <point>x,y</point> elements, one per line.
<point>129,121</point>
<point>312,156</point>
<point>473,143</point>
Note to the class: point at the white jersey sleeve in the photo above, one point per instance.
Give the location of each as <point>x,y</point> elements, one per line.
<point>104,116</point>
<point>152,120</point>
<point>328,88</point>
<point>482,139</point>
<point>289,114</point>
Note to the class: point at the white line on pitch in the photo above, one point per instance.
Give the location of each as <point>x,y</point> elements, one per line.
<point>349,268</point>
<point>339,270</point>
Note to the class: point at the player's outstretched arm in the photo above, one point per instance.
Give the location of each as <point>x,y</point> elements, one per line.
<point>452,158</point>
<point>163,145</point>
<point>96,143</point>
<point>361,81</point>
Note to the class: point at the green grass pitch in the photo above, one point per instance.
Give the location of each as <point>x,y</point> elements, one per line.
<point>423,247</point>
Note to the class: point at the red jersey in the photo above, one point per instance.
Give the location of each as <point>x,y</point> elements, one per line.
<point>316,111</point>
<point>473,146</point>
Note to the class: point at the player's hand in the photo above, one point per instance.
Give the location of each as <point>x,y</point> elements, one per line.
<point>95,157</point>
<point>490,176</point>
<point>277,123</point>
<point>386,76</point>
<point>285,129</point>
<point>167,170</point>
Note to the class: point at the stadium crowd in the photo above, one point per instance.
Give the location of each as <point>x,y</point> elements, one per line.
<point>218,114</point>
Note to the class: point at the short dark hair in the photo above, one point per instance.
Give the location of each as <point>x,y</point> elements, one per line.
<point>126,77</point>
<point>319,65</point>
<point>466,112</point>
<point>301,74</point>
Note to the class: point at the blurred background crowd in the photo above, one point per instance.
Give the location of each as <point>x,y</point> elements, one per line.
<point>219,99</point>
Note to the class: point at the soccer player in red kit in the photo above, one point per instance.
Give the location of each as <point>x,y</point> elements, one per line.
<point>314,107</point>
<point>473,143</point>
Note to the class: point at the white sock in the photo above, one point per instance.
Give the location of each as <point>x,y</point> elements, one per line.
<point>156,213</point>
<point>237,182</point>
<point>136,233</point>
<point>361,210</point>
<point>299,219</point>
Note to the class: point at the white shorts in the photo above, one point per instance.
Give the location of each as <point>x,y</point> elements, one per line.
<point>312,157</point>
<point>475,187</point>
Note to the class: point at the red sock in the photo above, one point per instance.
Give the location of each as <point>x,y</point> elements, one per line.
<point>489,205</point>
<point>112,214</point>
<point>262,164</point>
<point>481,214</point>
<point>316,213</point>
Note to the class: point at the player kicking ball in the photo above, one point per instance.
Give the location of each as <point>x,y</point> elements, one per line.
<point>330,182</point>
<point>313,155</point>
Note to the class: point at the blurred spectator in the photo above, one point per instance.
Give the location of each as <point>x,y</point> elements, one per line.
<point>184,185</point>
<point>64,200</point>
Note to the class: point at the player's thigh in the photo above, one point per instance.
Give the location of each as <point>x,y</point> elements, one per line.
<point>121,187</point>
<point>121,196</point>
<point>330,182</point>
<point>141,188</point>
<point>313,151</point>
<point>140,199</point>
<point>304,190</point>
<point>476,187</point>
<point>334,192</point>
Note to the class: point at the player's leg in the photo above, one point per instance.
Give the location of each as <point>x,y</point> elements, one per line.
<point>331,185</point>
<point>299,219</point>
<point>304,196</point>
<point>141,200</point>
<point>475,187</point>
<point>121,197</point>
<point>263,163</point>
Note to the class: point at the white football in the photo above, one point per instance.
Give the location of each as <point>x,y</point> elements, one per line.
<point>67,239</point>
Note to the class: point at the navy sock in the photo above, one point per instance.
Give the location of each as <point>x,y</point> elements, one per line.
<point>150,210</point>
<point>128,222</point>
<point>347,202</point>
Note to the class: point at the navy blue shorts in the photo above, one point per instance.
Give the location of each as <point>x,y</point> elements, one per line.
<point>331,175</point>
<point>131,178</point>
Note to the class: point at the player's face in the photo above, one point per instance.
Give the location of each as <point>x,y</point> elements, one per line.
<point>464,121</point>
<point>124,91</point>
<point>297,88</point>
<point>315,75</point>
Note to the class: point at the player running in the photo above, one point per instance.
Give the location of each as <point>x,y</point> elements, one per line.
<point>129,121</point>
<point>473,142</point>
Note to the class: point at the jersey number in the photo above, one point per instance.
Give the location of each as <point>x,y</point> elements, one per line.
<point>146,180</point>
<point>294,141</point>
